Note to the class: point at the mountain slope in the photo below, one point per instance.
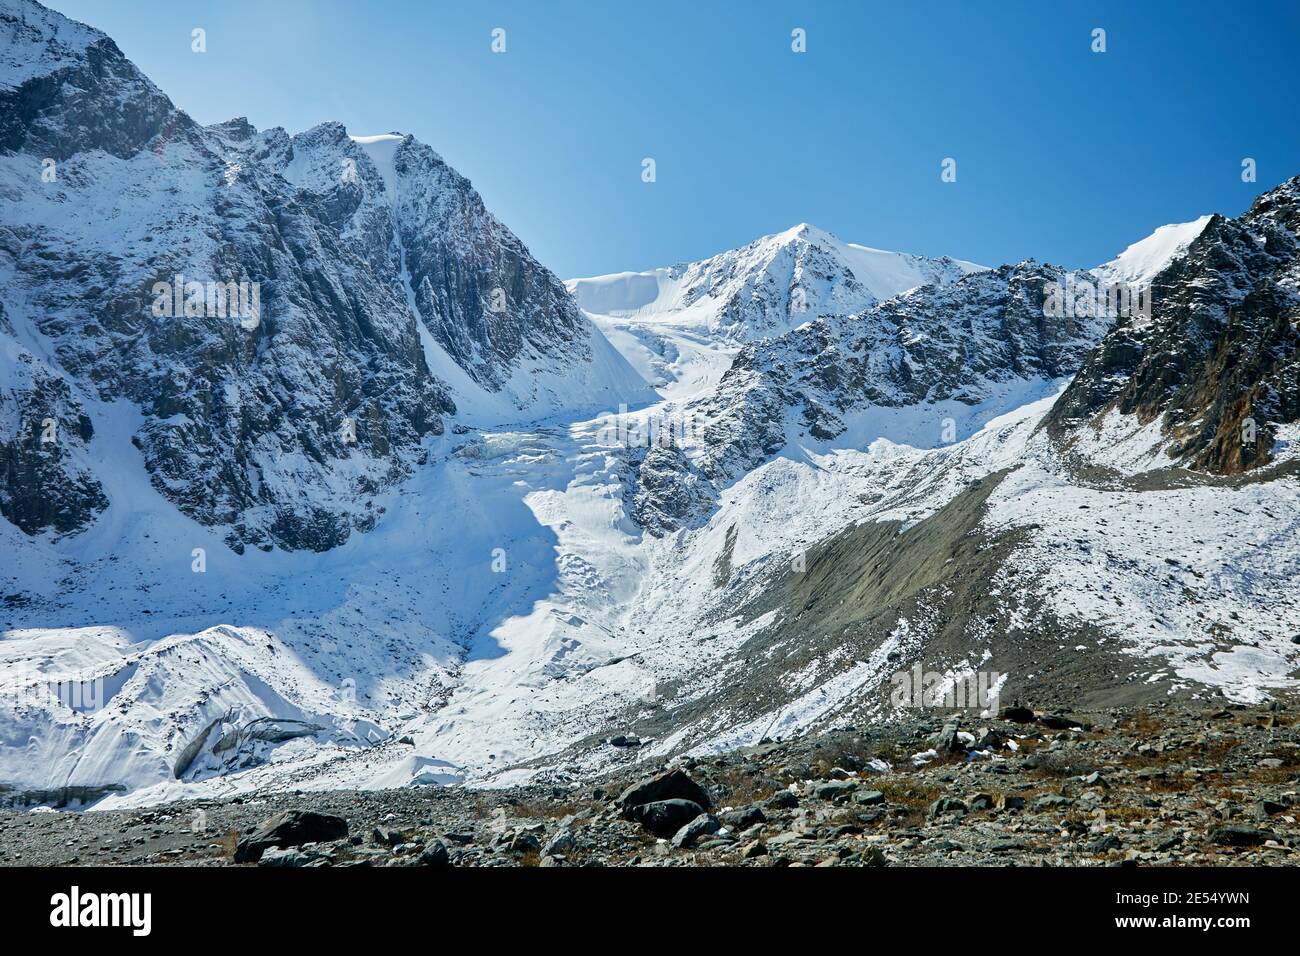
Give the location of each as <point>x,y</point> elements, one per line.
<point>279,423</point>
<point>1211,381</point>
<point>1142,261</point>
<point>923,479</point>
<point>926,367</point>
<point>679,326</point>
<point>287,408</point>
<point>764,287</point>
<point>499,328</point>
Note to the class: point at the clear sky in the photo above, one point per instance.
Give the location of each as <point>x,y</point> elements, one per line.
<point>1062,154</point>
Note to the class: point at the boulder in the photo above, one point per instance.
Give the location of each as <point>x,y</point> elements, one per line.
<point>744,818</point>
<point>562,844</point>
<point>524,842</point>
<point>946,805</point>
<point>664,818</point>
<point>1059,722</point>
<point>276,857</point>
<point>435,855</point>
<point>1104,844</point>
<point>782,800</point>
<point>948,740</point>
<point>671,785</point>
<point>1051,801</point>
<point>835,790</point>
<point>874,856</point>
<point>1266,808</point>
<point>1239,836</point>
<point>290,828</point>
<point>703,825</point>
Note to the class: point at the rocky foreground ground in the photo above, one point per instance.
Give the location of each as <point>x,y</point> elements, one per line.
<point>1165,785</point>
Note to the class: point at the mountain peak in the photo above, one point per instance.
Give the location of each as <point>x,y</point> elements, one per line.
<point>40,41</point>
<point>74,88</point>
<point>806,231</point>
<point>1142,261</point>
<point>379,138</point>
<point>767,286</point>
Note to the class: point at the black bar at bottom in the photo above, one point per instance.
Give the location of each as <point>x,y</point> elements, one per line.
<point>189,905</point>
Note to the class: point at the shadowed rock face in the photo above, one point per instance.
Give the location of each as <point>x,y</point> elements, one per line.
<point>1221,351</point>
<point>458,257</point>
<point>668,489</point>
<point>91,94</point>
<point>44,481</point>
<point>421,224</point>
<point>245,417</point>
<point>283,428</point>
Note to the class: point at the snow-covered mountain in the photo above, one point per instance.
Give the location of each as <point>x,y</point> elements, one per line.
<point>767,286</point>
<point>825,534</point>
<point>496,326</point>
<point>927,367</point>
<point>469,565</point>
<point>1211,379</point>
<point>1144,260</point>
<point>679,325</point>
<point>375,294</point>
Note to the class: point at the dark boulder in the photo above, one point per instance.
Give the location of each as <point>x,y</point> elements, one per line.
<point>664,818</point>
<point>671,785</point>
<point>947,740</point>
<point>1104,844</point>
<point>290,828</point>
<point>1239,836</point>
<point>1059,722</point>
<point>946,805</point>
<point>782,800</point>
<point>744,818</point>
<point>703,825</point>
<point>434,855</point>
<point>835,790</point>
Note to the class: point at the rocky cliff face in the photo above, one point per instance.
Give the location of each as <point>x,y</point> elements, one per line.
<point>669,490</point>
<point>929,354</point>
<point>66,86</point>
<point>1216,369</point>
<point>486,302</point>
<point>273,306</point>
<point>45,478</point>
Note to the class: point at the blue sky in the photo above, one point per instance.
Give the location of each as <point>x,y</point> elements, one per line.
<point>1062,154</point>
